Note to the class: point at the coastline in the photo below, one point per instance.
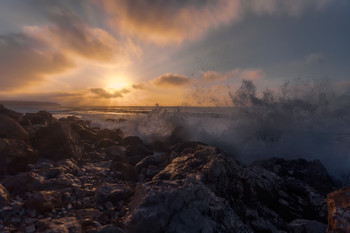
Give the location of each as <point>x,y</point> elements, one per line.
<point>63,175</point>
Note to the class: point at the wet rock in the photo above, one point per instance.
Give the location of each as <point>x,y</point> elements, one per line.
<point>9,128</point>
<point>105,142</point>
<point>23,182</point>
<point>117,153</point>
<point>90,226</point>
<point>311,172</point>
<point>159,146</point>
<point>39,118</point>
<point>110,229</point>
<point>44,201</point>
<point>58,141</point>
<point>172,207</point>
<point>131,140</point>
<point>113,192</point>
<point>126,171</point>
<point>339,211</point>
<point>87,214</point>
<point>4,196</point>
<point>15,155</point>
<point>307,226</point>
<point>115,135</point>
<point>61,225</point>
<point>135,153</point>
<point>86,134</point>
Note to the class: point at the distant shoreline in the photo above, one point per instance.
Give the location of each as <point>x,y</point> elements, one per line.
<point>18,103</point>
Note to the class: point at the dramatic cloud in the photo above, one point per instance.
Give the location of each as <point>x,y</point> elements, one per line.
<point>172,80</point>
<point>32,55</point>
<point>170,21</point>
<point>174,21</point>
<point>236,74</point>
<point>109,94</point>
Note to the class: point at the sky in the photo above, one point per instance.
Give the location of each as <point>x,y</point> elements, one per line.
<point>175,52</point>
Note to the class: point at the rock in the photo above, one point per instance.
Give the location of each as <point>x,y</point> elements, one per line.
<point>39,118</point>
<point>172,207</point>
<point>135,153</point>
<point>9,128</point>
<point>58,141</point>
<point>14,115</point>
<point>131,140</point>
<point>115,135</point>
<point>127,172</point>
<point>307,226</point>
<point>159,146</point>
<point>105,142</point>
<point>61,225</point>
<point>87,214</point>
<point>311,172</point>
<point>113,193</point>
<point>339,211</point>
<point>15,155</point>
<point>44,201</point>
<point>4,196</point>
<point>117,153</point>
<point>23,182</point>
<point>90,226</point>
<point>110,229</point>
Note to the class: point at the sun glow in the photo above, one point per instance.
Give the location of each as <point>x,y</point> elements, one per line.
<point>117,82</point>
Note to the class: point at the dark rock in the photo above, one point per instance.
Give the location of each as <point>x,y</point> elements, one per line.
<point>110,229</point>
<point>105,142</point>
<point>159,146</point>
<point>117,153</point>
<point>90,226</point>
<point>339,211</point>
<point>135,153</point>
<point>44,201</point>
<point>127,172</point>
<point>311,172</point>
<point>86,134</point>
<point>15,155</point>
<point>113,193</point>
<point>307,226</point>
<point>87,214</point>
<point>39,118</point>
<point>172,207</point>
<point>61,225</point>
<point>23,182</point>
<point>4,196</point>
<point>131,140</point>
<point>58,141</point>
<point>9,128</point>
<point>115,135</point>
<point>14,115</point>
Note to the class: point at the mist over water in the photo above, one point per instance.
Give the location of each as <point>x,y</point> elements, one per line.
<point>303,120</point>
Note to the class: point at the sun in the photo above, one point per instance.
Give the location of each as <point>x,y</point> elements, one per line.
<point>117,82</point>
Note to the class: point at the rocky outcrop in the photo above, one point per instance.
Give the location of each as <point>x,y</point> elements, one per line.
<point>9,128</point>
<point>50,184</point>
<point>339,211</point>
<point>58,141</point>
<point>15,155</point>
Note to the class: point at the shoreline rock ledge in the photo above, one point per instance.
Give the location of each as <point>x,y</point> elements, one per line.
<point>65,176</point>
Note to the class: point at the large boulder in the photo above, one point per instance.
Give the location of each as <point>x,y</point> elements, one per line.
<point>15,155</point>
<point>339,211</point>
<point>174,207</point>
<point>9,128</point>
<point>44,201</point>
<point>39,118</point>
<point>58,141</point>
<point>23,182</point>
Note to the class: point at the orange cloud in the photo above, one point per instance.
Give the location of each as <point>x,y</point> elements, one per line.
<point>171,21</point>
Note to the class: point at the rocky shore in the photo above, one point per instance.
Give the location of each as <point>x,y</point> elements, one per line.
<point>65,176</point>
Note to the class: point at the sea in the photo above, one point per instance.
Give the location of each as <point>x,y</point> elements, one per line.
<point>290,129</point>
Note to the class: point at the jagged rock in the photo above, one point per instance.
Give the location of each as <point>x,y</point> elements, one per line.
<point>173,207</point>
<point>15,155</point>
<point>90,226</point>
<point>61,225</point>
<point>58,141</point>
<point>110,229</point>
<point>126,171</point>
<point>14,115</point>
<point>105,142</point>
<point>9,128</point>
<point>113,192</point>
<point>135,153</point>
<point>23,182</point>
<point>307,226</point>
<point>339,211</point>
<point>311,172</point>
<point>4,196</point>
<point>131,140</point>
<point>115,135</point>
<point>117,153</point>
<point>39,118</point>
<point>44,201</point>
